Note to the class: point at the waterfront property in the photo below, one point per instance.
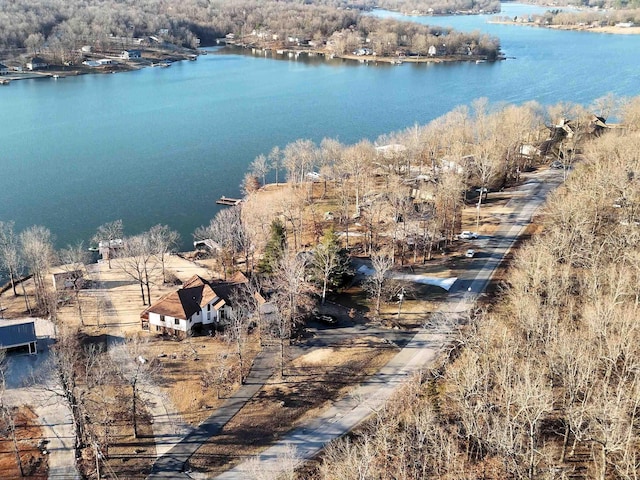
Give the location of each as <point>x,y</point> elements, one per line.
<point>196,305</point>
<point>4,70</point>
<point>130,54</point>
<point>37,63</point>
<point>18,333</point>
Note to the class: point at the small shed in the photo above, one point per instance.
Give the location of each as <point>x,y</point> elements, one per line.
<point>18,333</point>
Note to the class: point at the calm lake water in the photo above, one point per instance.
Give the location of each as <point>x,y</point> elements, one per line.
<point>161,145</point>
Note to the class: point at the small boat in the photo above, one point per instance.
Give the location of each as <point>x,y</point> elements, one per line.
<point>480,61</point>
<point>5,81</point>
<point>56,76</point>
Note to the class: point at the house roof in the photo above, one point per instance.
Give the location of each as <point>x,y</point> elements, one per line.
<point>3,66</point>
<point>195,293</point>
<point>16,334</point>
<point>37,60</point>
<point>225,288</point>
<point>183,303</point>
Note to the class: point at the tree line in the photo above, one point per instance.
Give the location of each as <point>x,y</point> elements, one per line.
<point>60,29</point>
<point>545,382</point>
<point>587,18</point>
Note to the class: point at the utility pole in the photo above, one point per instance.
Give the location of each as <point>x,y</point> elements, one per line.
<point>400,299</point>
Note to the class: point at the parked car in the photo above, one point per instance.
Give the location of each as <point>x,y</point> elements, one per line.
<point>326,319</point>
<point>557,164</point>
<point>470,253</point>
<point>467,235</point>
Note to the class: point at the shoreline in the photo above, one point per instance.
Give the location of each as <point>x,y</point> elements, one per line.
<point>154,58</point>
<point>613,30</point>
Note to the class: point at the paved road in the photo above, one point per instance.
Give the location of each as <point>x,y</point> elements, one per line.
<point>308,440</point>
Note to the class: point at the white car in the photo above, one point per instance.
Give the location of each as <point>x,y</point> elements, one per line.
<point>467,235</point>
<point>470,253</point>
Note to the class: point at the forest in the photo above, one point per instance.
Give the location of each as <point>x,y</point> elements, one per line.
<point>30,26</point>
<point>543,382</point>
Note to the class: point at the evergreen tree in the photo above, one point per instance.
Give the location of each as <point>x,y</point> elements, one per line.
<point>330,262</point>
<point>274,249</point>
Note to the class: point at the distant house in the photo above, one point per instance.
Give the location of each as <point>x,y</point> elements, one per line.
<point>18,333</point>
<point>106,61</point>
<point>109,248</point>
<point>4,70</point>
<point>37,63</point>
<point>197,304</point>
<point>432,51</point>
<point>130,54</point>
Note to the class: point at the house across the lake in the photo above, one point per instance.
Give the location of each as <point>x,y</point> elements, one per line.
<point>37,63</point>
<point>198,304</point>
<point>130,54</point>
<point>4,70</point>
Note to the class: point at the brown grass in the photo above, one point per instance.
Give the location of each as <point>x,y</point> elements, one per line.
<point>309,384</point>
<point>29,435</point>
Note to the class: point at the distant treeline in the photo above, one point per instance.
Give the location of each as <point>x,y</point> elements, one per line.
<point>32,26</point>
<point>594,18</point>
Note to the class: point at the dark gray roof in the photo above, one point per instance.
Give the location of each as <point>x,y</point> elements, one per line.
<point>17,334</point>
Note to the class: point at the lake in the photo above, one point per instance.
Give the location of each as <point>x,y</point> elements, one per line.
<point>160,145</point>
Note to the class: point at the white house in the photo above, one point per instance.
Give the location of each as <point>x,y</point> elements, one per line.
<point>130,54</point>
<point>36,63</point>
<point>196,305</point>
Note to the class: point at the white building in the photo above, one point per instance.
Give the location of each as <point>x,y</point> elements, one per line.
<point>196,305</point>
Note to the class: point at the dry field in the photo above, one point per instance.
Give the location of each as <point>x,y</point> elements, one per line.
<point>310,383</point>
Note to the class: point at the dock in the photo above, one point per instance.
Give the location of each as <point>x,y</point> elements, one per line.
<point>230,202</point>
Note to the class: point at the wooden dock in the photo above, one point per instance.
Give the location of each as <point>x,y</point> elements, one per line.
<point>230,202</point>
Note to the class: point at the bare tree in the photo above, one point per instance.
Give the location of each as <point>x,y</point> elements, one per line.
<point>9,253</point>
<point>138,371</point>
<point>260,167</point>
<point>107,234</point>
<point>38,253</point>
<point>137,260</point>
<point>74,260</point>
<point>275,157</point>
<point>163,242</point>
<point>382,262</point>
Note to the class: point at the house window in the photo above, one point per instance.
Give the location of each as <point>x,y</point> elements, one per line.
<point>208,307</point>
<point>162,318</point>
<point>158,328</point>
<point>176,321</point>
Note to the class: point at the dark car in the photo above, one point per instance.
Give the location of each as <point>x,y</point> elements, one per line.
<point>326,319</point>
